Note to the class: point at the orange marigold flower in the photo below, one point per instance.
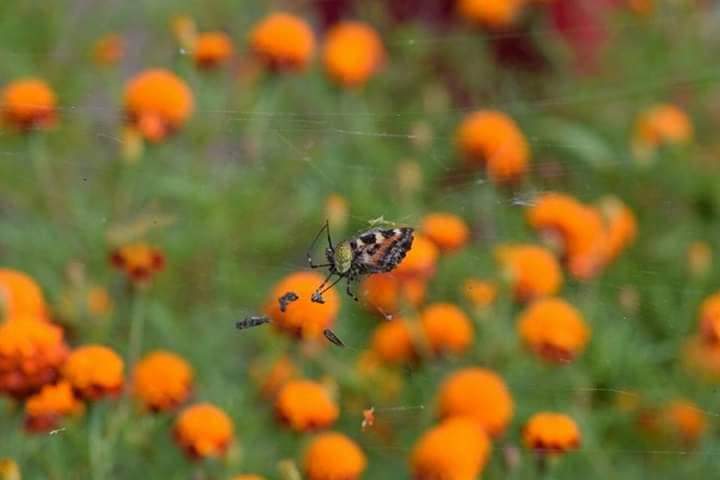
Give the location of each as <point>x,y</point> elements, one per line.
<point>703,358</point>
<point>392,341</point>
<point>420,260</point>
<point>533,270</point>
<point>283,41</point>
<point>551,433</point>
<point>185,31</point>
<point>94,371</point>
<point>303,317</point>
<point>334,456</point>
<point>9,469</point>
<point>247,476</point>
<point>446,328</point>
<point>139,261</point>
<point>272,380</point>
<point>699,258</point>
<point>108,49</point>
<point>352,53</point>
<point>684,420</point>
<point>203,430</point>
<point>621,224</point>
<point>492,139</point>
<point>162,380</point>
<point>577,229</point>
<point>662,124</point>
<point>387,293</point>
<point>481,293</point>
<point>553,329</point>
<point>479,394</point>
<point>29,103</point>
<point>449,232</point>
<point>336,211</point>
<point>490,13</point>
<point>157,103</point>
<point>20,296</point>
<point>455,449</point>
<point>305,405</point>
<point>31,354</point>
<point>709,318</point>
<point>99,302</point>
<point>212,49</point>
<point>45,409</point>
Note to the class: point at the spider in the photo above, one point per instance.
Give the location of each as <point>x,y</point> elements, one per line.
<point>377,250</point>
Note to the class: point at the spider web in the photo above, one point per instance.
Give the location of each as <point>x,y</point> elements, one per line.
<point>263,159</point>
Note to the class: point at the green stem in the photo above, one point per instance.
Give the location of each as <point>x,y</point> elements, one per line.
<point>96,444</point>
<point>45,179</point>
<point>137,327</point>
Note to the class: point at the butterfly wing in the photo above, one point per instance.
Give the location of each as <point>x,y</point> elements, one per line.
<point>381,250</point>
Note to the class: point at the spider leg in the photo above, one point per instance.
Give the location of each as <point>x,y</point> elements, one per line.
<point>324,282</point>
<point>350,279</point>
<point>317,296</point>
<point>308,255</point>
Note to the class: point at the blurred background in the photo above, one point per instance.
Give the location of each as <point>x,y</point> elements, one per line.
<point>165,166</point>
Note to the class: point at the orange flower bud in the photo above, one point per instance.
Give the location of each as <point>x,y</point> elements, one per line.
<point>203,430</point>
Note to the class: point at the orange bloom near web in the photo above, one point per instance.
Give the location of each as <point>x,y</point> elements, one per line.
<point>303,318</point>
<point>455,449</point>
<point>352,53</point>
<point>447,328</point>
<point>662,124</point>
<point>420,261</point>
<point>283,41</point>
<point>305,405</point>
<point>481,293</point>
<point>31,354</point>
<point>108,49</point>
<point>387,293</point>
<point>533,271</point>
<point>551,434</point>
<point>490,13</point>
<point>203,431</point>
<point>157,103</point>
<point>684,420</point>
<point>94,371</point>
<point>709,318</point>
<point>334,456</point>
<point>554,330</point>
<point>20,295</point>
<point>212,49</point>
<point>492,140</point>
<point>28,103</point>
<point>392,342</point>
<point>45,409</point>
<point>139,261</point>
<point>446,230</point>
<point>478,394</point>
<point>162,380</point>
<point>621,224</point>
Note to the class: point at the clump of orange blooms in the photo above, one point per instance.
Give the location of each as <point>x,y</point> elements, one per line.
<point>457,449</point>
<point>45,409</point>
<point>283,41</point>
<point>447,328</point>
<point>495,14</point>
<point>576,229</point>
<point>162,380</point>
<point>481,293</point>
<point>334,456</point>
<point>551,434</point>
<point>108,49</point>
<point>272,379</point>
<point>94,371</point>
<point>421,259</point>
<point>387,293</point>
<point>352,53</point>
<point>305,405</point>
<point>553,329</point>
<point>392,341</point>
<point>446,230</point>
<point>681,420</point>
<point>139,261</point>
<point>31,354</point>
<point>709,318</point>
<point>533,271</point>
<point>203,431</point>
<point>620,222</point>
<point>212,49</point>
<point>478,394</point>
<point>303,318</point>
<point>20,296</point>
<point>659,125</point>
<point>27,104</point>
<point>157,103</point>
<point>492,140</point>
<point>702,358</point>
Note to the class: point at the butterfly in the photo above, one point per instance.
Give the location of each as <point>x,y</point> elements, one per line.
<point>377,250</point>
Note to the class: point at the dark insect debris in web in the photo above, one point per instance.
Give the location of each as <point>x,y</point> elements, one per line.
<point>330,335</point>
<point>252,321</point>
<point>287,299</point>
<point>317,298</point>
